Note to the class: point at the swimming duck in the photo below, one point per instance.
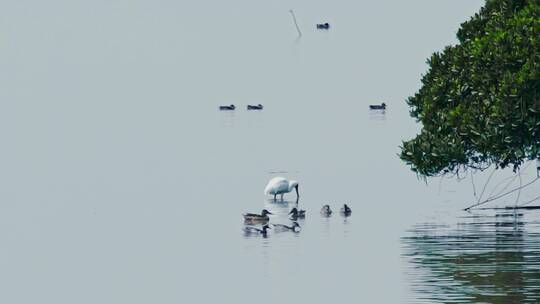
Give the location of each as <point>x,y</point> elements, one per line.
<point>280,185</point>
<point>296,214</point>
<point>255,107</point>
<point>326,211</point>
<point>255,230</point>
<point>252,217</point>
<point>285,227</point>
<point>227,108</point>
<point>345,210</point>
<point>323,26</point>
<point>382,106</point>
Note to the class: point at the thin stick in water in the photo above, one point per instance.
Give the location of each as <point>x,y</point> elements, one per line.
<point>485,186</point>
<point>296,24</point>
<point>511,178</point>
<point>504,194</point>
<point>473,185</point>
<point>528,202</point>
<point>519,193</point>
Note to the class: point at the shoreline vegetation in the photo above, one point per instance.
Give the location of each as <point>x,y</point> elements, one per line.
<point>479,104</point>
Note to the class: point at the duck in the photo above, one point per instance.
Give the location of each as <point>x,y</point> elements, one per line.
<point>323,26</point>
<point>296,214</point>
<point>252,217</point>
<point>345,210</point>
<point>227,108</point>
<point>280,185</point>
<point>255,230</point>
<point>285,227</point>
<point>326,211</point>
<point>382,106</point>
<point>255,107</point>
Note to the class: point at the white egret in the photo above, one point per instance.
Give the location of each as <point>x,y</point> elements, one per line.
<point>280,185</point>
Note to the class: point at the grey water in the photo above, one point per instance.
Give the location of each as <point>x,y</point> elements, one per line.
<point>121,182</point>
<point>486,258</point>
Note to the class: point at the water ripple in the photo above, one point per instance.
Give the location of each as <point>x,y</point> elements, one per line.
<point>482,259</point>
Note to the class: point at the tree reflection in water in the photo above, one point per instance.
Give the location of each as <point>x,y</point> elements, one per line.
<point>484,259</point>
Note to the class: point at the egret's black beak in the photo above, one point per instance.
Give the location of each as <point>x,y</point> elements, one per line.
<point>296,188</point>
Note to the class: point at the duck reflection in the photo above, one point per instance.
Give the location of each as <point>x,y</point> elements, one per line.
<point>379,115</point>
<point>249,231</point>
<point>485,259</point>
<point>227,119</point>
<point>295,227</point>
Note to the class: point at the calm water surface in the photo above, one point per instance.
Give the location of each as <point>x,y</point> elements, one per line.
<point>484,258</point>
<point>121,182</point>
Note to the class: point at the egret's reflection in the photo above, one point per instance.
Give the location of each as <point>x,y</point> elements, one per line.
<point>281,205</point>
<point>278,202</point>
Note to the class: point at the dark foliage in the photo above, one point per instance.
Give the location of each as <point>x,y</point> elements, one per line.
<point>480,100</point>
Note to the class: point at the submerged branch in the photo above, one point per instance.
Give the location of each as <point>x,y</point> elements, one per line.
<point>502,195</point>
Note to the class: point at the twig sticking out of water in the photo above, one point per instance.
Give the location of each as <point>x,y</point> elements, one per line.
<point>485,186</point>
<point>511,178</point>
<point>519,193</point>
<point>296,24</point>
<point>499,196</point>
<point>528,202</point>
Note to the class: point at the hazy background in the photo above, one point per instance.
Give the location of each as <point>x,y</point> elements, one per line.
<point>120,182</point>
